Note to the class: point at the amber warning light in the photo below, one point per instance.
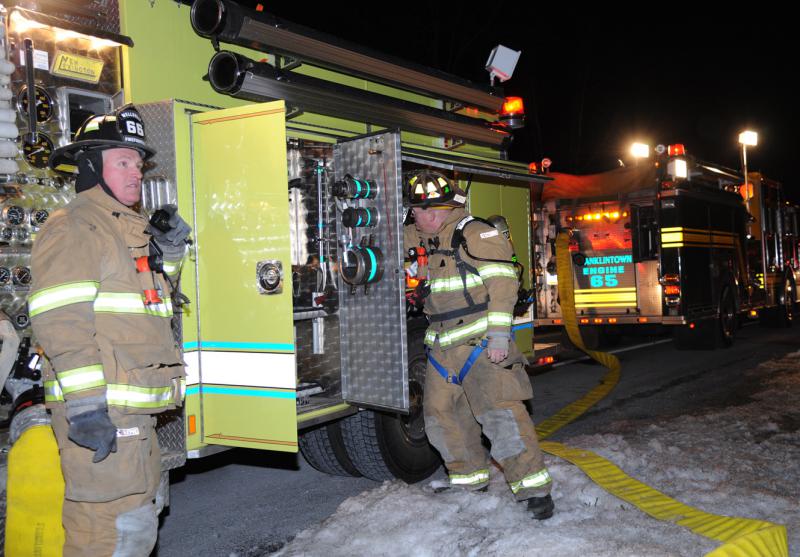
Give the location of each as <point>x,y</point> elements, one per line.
<point>513,113</point>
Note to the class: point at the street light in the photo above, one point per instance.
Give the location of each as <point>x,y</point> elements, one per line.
<point>747,138</point>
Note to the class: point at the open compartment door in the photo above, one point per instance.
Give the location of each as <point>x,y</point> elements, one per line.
<point>372,304</point>
<point>245,354</point>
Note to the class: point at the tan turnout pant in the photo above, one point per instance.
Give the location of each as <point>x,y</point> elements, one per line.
<point>489,400</point>
<point>109,506</point>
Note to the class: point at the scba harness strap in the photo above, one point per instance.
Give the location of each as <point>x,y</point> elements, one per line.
<point>456,242</point>
<point>458,379</point>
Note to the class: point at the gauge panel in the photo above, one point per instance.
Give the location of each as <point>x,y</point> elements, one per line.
<point>44,104</point>
<point>37,150</point>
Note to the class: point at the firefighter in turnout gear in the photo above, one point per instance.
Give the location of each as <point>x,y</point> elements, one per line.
<point>476,379</point>
<point>103,318</point>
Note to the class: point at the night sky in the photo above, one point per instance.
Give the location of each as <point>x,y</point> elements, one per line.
<point>594,81</point>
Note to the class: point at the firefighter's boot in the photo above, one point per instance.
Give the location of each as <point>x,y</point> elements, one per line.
<point>541,507</point>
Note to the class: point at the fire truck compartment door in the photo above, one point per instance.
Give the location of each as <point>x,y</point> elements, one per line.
<point>372,318</point>
<point>243,364</point>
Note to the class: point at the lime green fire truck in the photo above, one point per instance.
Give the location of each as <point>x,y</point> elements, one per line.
<point>285,150</point>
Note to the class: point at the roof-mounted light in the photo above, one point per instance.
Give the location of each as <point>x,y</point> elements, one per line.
<point>513,113</point>
<point>640,151</point>
<point>677,150</point>
<point>678,169</point>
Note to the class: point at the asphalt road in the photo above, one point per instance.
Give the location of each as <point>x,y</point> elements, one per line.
<point>249,503</point>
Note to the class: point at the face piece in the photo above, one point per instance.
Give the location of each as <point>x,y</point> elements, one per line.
<point>122,172</point>
<point>430,221</point>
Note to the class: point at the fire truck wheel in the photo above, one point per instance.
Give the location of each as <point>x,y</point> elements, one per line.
<point>384,446</point>
<point>789,303</point>
<point>323,448</point>
<point>726,324</point>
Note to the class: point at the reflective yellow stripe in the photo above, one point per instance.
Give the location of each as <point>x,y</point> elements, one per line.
<point>81,378</point>
<point>497,270</point>
<point>123,395</point>
<point>539,479</point>
<point>62,295</point>
<point>430,337</point>
<point>497,318</point>
<point>127,302</point>
<point>52,391</point>
<point>475,328</point>
<point>139,397</point>
<point>452,284</point>
<point>470,479</point>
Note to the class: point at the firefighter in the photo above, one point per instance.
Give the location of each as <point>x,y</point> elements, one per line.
<point>475,379</point>
<point>103,318</point>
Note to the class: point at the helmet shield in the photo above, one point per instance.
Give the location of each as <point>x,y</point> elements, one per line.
<point>123,128</point>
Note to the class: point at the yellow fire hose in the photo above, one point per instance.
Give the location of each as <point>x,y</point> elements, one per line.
<point>741,537</point>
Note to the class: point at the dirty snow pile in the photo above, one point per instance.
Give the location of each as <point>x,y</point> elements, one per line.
<point>742,461</point>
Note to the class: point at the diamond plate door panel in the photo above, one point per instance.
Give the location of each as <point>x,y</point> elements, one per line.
<point>373,318</point>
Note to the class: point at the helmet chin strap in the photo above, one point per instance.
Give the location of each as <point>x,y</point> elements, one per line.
<point>90,172</point>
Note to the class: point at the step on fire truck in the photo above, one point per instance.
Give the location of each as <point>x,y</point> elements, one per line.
<point>297,334</point>
<point>671,241</point>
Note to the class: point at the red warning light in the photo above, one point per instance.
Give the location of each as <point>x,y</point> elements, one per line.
<point>677,150</point>
<point>533,168</point>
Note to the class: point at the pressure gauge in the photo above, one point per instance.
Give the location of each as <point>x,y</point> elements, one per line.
<point>37,152</point>
<point>21,234</point>
<point>39,216</point>
<point>5,276</point>
<point>14,215</point>
<point>21,276</point>
<point>44,104</point>
<point>6,234</point>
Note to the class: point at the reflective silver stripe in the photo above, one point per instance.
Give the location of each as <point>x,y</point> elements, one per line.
<point>119,302</point>
<point>452,284</point>
<point>473,329</point>
<point>81,378</point>
<point>500,318</point>
<point>52,392</point>
<point>497,270</point>
<point>139,397</point>
<point>61,295</point>
<point>539,479</point>
<point>164,309</point>
<point>126,302</point>
<point>470,479</point>
<point>121,395</point>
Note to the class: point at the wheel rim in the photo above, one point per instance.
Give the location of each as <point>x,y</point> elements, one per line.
<point>413,424</point>
<point>728,317</point>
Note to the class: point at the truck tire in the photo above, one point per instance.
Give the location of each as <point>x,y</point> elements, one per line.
<point>727,320</point>
<point>710,334</point>
<point>385,446</point>
<point>323,448</point>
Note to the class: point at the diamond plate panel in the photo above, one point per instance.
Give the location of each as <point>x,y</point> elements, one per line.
<point>373,321</point>
<point>160,187</point>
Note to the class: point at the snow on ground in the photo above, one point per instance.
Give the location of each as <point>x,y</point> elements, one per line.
<point>743,460</point>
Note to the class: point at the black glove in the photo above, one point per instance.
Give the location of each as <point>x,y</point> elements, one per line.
<point>172,241</point>
<point>94,430</point>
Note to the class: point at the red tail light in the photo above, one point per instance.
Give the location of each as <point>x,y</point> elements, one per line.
<point>672,290</point>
